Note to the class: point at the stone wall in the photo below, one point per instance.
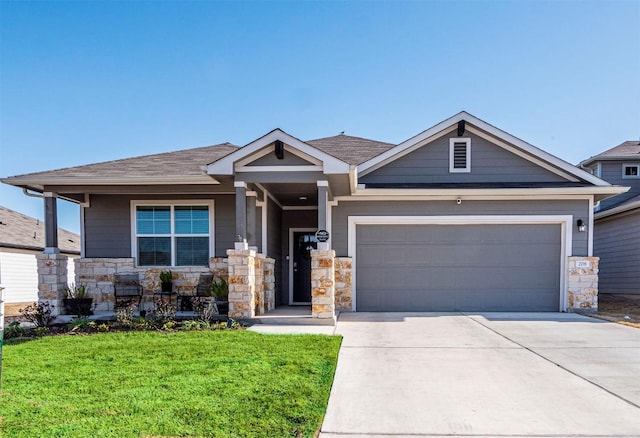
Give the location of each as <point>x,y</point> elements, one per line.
<point>242,283</point>
<point>582,291</point>
<point>323,284</point>
<point>52,280</point>
<point>343,268</point>
<point>98,273</point>
<point>269,284</point>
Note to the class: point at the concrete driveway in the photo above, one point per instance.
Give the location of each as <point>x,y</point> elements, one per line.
<point>489,375</point>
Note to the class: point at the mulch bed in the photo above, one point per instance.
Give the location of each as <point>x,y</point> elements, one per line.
<point>623,309</point>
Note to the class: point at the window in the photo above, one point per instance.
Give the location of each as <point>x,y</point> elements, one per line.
<point>176,234</point>
<point>459,155</point>
<point>631,170</point>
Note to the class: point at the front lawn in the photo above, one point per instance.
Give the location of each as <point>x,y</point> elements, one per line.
<point>186,384</point>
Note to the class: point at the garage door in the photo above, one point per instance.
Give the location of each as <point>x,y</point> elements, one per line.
<point>501,267</point>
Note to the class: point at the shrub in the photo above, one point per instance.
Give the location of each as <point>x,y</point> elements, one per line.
<point>15,330</point>
<point>38,314</point>
<point>124,316</point>
<point>163,311</point>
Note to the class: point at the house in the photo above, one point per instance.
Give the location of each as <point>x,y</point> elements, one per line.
<point>617,219</point>
<point>460,217</point>
<point>21,238</point>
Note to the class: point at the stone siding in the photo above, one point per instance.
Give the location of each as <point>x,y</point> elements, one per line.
<point>583,283</point>
<point>343,269</point>
<point>52,280</point>
<point>242,283</point>
<point>323,284</point>
<point>269,284</point>
<point>98,273</point>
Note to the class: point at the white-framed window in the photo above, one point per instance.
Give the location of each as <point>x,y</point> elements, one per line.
<point>459,155</point>
<point>596,170</point>
<point>172,233</point>
<point>631,170</point>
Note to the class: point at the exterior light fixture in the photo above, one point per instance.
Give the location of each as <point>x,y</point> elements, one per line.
<point>582,227</point>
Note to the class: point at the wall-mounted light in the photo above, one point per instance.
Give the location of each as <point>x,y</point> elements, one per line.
<point>458,201</point>
<point>582,227</point>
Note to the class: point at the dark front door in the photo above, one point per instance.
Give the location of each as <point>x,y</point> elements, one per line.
<point>303,243</point>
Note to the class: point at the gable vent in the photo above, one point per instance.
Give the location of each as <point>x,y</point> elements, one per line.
<point>459,155</point>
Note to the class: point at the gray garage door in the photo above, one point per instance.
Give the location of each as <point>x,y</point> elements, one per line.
<point>458,267</point>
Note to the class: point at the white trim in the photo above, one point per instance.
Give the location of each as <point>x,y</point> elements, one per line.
<point>566,239</point>
<point>467,155</point>
<point>83,236</point>
<point>240,184</point>
<point>263,218</point>
<point>225,165</point>
<point>248,169</point>
<point>210,203</point>
<point>598,170</point>
<point>266,151</point>
<point>624,168</point>
<point>619,209</point>
<point>111,181</point>
<point>452,196</point>
<point>291,231</point>
<point>322,183</point>
<point>439,130</point>
<point>299,207</point>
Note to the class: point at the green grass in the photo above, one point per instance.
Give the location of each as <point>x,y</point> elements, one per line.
<point>195,384</point>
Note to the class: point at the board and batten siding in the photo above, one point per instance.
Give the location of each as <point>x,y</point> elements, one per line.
<point>108,223</point>
<point>19,275</point>
<point>617,243</point>
<point>344,209</point>
<point>489,164</point>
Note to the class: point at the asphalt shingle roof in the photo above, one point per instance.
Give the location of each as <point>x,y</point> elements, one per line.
<point>186,162</point>
<point>21,231</point>
<point>626,149</point>
<point>351,150</point>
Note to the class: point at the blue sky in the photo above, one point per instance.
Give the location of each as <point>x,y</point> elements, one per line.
<point>83,82</point>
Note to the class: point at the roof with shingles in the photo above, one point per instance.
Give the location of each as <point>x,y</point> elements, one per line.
<point>351,150</point>
<point>18,230</point>
<point>186,162</point>
<point>625,150</point>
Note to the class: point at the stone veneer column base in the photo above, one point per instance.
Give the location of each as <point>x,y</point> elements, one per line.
<point>269,284</point>
<point>343,268</point>
<point>52,280</point>
<point>242,287</point>
<point>323,285</point>
<point>582,290</point>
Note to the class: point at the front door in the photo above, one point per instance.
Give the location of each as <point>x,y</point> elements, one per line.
<point>303,243</point>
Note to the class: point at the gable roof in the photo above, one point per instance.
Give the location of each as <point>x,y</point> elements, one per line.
<point>628,150</point>
<point>500,137</point>
<point>148,169</point>
<point>18,230</point>
<point>224,165</point>
<point>352,150</point>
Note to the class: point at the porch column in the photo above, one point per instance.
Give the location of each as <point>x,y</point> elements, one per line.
<point>241,210</point>
<point>323,285</point>
<point>323,199</point>
<point>251,219</point>
<point>50,224</point>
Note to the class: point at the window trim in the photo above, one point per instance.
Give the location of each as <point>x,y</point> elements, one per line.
<point>452,142</point>
<point>171,203</point>
<point>624,168</point>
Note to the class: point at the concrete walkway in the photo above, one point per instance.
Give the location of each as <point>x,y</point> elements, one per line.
<point>487,375</point>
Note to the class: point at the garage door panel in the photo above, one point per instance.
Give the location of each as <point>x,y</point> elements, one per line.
<point>458,268</point>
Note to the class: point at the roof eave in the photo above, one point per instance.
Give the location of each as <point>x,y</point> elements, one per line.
<point>38,184</point>
<point>619,209</point>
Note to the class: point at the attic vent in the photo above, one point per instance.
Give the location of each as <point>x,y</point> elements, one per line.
<point>459,155</point>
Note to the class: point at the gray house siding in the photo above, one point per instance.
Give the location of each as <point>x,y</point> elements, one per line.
<point>108,223</point>
<point>344,209</point>
<point>611,171</point>
<point>489,164</point>
<point>289,159</point>
<point>617,243</point>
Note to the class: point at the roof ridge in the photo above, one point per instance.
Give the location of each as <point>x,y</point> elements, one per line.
<point>349,136</point>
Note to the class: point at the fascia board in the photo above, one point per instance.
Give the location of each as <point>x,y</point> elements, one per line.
<point>100,181</point>
<point>592,160</point>
<point>434,131</point>
<point>578,191</point>
<point>618,209</point>
<point>225,166</point>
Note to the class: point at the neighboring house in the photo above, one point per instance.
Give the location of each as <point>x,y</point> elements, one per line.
<point>617,219</point>
<point>21,238</point>
<point>460,217</point>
